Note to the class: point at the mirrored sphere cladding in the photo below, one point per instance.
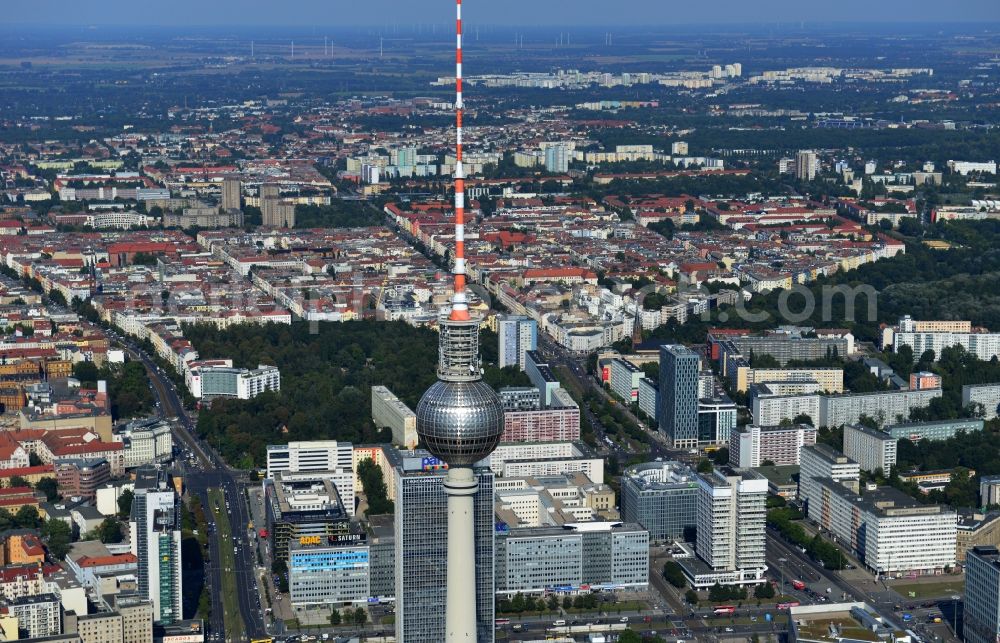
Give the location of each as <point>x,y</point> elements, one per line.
<point>460,422</point>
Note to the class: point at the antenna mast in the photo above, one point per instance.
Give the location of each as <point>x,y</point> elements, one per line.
<point>459,304</point>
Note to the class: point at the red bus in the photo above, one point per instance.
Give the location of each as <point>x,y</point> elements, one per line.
<point>502,621</point>
<point>725,609</point>
<point>785,606</point>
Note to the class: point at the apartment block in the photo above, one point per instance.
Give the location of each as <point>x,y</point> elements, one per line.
<point>986,395</point>
<point>752,445</point>
<point>872,449</point>
<point>823,461</point>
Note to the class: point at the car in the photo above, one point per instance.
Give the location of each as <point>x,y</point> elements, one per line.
<point>623,619</point>
<point>729,629</point>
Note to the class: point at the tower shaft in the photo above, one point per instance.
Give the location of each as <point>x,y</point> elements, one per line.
<point>459,308</point>
<point>460,485</point>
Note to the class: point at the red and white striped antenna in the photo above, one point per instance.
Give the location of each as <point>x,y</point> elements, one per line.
<point>459,304</point>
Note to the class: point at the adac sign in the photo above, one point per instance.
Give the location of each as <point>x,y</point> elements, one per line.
<point>309,540</point>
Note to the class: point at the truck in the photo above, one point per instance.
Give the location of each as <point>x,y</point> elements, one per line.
<point>797,584</point>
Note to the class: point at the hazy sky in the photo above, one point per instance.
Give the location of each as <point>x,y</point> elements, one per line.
<point>509,12</point>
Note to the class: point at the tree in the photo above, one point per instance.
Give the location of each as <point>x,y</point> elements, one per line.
<point>628,636</point>
<point>376,492</point>
<point>553,603</point>
<point>567,602</point>
<point>721,456</point>
<point>18,481</point>
<point>705,466</point>
<point>50,487</point>
<point>27,517</point>
<point>125,502</point>
<point>57,535</point>
<point>34,460</point>
<point>110,530</point>
<point>802,418</point>
<point>334,617</point>
<point>360,616</point>
<point>673,574</point>
<point>691,597</point>
<point>764,591</point>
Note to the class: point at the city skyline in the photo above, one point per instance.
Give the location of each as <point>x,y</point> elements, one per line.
<point>514,13</point>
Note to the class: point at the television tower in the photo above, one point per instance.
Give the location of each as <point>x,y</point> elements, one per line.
<point>460,417</point>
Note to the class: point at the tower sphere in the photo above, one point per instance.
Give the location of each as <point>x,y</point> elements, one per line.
<point>460,422</point>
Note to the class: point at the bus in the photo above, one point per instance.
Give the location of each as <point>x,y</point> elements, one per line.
<point>725,609</point>
<point>788,605</point>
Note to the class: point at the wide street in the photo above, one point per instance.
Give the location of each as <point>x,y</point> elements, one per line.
<point>211,472</point>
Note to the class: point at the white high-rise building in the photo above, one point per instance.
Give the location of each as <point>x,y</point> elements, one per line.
<point>155,526</point>
<point>806,165</point>
<point>873,450</point>
<point>730,528</point>
<point>823,461</point>
<point>517,335</point>
<point>556,158</point>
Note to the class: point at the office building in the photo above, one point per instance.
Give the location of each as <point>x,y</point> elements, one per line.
<point>382,556</point>
<point>932,430</point>
<point>981,622</point>
<point>975,528</point>
<point>872,449</point>
<point>155,525</point>
<point>753,445</point>
<point>231,193</point>
<point>388,411</point>
<point>989,491</point>
<point>533,459</point>
<point>986,398</point>
<point>303,505</point>
<point>806,165</point>
<point>889,532</point>
<point>716,420</point>
<point>329,571</point>
<point>572,558</point>
<point>210,382</point>
<point>78,478</point>
<point>625,377</point>
<point>730,529</point>
<point>823,461</point>
<point>663,498</point>
<point>521,398</point>
<point>312,455</point>
<point>649,398</point>
<point>421,552</point>
<point>327,459</point>
<point>517,335</point>
<point>678,418</point>
<point>541,376</point>
<point>128,620</point>
<point>146,441</point>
